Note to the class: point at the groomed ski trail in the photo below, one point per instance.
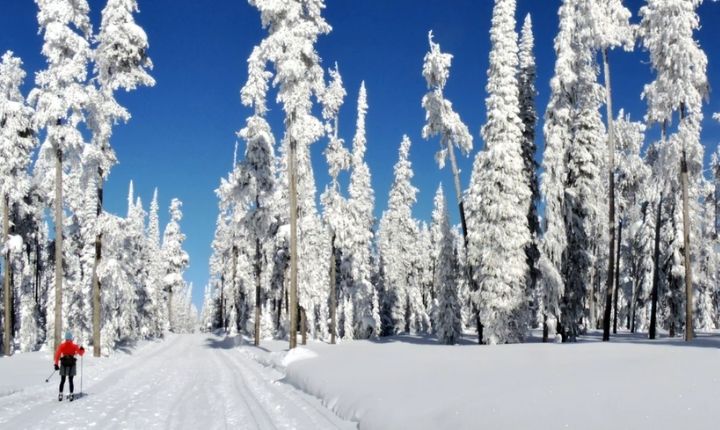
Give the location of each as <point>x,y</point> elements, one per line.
<point>193,381</point>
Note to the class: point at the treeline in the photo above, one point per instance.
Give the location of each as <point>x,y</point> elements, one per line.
<point>629,231</point>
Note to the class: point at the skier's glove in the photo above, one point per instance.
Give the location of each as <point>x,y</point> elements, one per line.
<point>82,349</point>
<point>57,367</point>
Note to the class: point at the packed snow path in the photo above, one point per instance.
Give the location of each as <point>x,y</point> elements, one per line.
<point>193,381</point>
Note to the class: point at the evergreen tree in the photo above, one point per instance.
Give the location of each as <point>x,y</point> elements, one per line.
<point>447,322</point>
<point>121,62</point>
<point>398,232</point>
<point>557,131</point>
<point>499,194</point>
<point>680,85</point>
<point>175,259</point>
<point>361,206</point>
<point>528,116</point>
<point>59,100</point>
<point>293,28</point>
<point>17,141</point>
<point>441,119</point>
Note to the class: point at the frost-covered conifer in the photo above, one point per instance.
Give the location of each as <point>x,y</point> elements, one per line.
<point>121,62</point>
<point>175,259</point>
<point>447,320</point>
<point>680,85</point>
<point>293,29</point>
<point>528,115</point>
<point>361,206</point>
<point>402,301</point>
<point>335,213</point>
<point>17,141</point>
<point>634,214</point>
<point>557,130</point>
<point>499,194</point>
<point>440,117</point>
<point>59,100</point>
<point>586,160</point>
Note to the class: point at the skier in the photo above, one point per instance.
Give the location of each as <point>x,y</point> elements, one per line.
<point>65,354</point>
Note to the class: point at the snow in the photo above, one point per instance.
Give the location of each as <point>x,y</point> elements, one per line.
<point>417,383</point>
<point>184,382</point>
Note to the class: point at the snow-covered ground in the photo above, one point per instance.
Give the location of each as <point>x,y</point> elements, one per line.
<point>415,383</point>
<point>184,382</point>
<point>207,382</point>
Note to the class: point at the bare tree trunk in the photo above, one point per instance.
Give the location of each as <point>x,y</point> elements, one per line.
<point>58,246</point>
<point>463,222</point>
<point>293,246</point>
<point>303,325</point>
<point>7,334</point>
<point>234,282</point>
<point>656,275</point>
<point>616,293</point>
<point>689,334</point>
<point>222,301</point>
<point>95,277</point>
<point>611,192</point>
<point>257,292</point>
<point>333,295</point>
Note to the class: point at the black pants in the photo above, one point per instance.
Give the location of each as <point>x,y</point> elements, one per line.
<point>62,383</point>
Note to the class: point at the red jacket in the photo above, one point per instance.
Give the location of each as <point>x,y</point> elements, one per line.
<point>68,348</point>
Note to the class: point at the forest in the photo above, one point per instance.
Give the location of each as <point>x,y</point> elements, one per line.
<point>611,230</point>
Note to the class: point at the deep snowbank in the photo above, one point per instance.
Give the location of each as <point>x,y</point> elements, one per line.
<point>629,383</point>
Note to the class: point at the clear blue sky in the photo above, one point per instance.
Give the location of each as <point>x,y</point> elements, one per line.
<point>182,133</point>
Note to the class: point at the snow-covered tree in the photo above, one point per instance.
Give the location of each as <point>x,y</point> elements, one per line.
<point>528,115</point>
<point>121,62</point>
<point>557,131</point>
<point>402,308</point>
<point>361,206</point>
<point>59,99</point>
<point>634,215</point>
<point>447,321</point>
<point>17,141</point>
<point>441,119</point>
<point>680,85</point>
<point>334,204</point>
<point>175,259</point>
<point>499,194</point>
<point>293,29</point>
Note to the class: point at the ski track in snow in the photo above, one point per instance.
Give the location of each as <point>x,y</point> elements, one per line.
<point>183,382</point>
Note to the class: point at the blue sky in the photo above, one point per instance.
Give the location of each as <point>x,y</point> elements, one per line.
<point>182,133</point>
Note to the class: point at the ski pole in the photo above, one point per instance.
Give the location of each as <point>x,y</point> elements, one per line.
<point>81,375</point>
<point>51,375</point>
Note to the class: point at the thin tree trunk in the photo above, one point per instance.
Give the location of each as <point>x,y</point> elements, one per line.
<point>222,301</point>
<point>257,292</point>
<point>656,275</point>
<point>463,222</point>
<point>546,329</point>
<point>235,291</point>
<point>689,334</point>
<point>293,245</point>
<point>616,293</point>
<point>37,267</point>
<point>611,192</point>
<point>333,295</point>
<point>58,247</point>
<point>7,335</point>
<point>303,325</point>
<point>95,277</point>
